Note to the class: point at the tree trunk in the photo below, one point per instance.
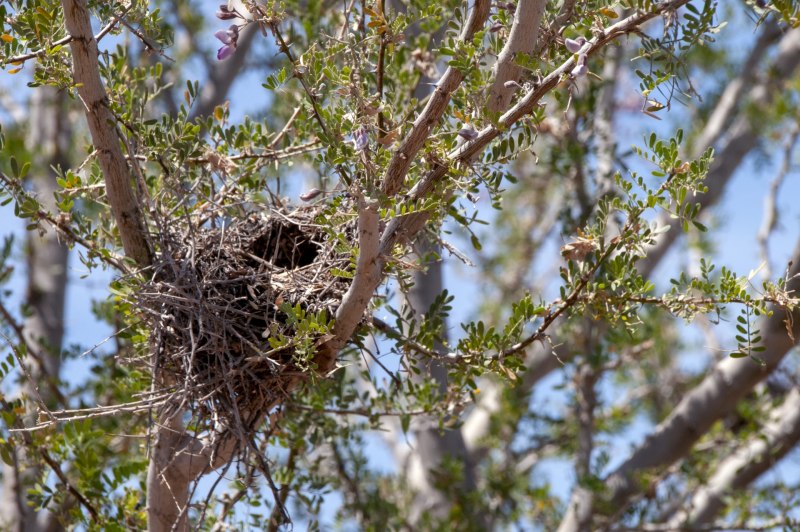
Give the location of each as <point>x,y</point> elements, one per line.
<point>47,282</point>
<point>434,446</point>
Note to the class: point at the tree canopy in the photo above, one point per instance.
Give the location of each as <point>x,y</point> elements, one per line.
<point>399,264</point>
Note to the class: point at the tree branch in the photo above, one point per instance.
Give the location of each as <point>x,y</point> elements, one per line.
<point>433,111</point>
<point>124,205</point>
<point>745,465</point>
<point>712,399</point>
<point>522,39</point>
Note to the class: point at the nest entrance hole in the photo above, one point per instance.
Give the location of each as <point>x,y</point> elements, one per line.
<point>286,245</point>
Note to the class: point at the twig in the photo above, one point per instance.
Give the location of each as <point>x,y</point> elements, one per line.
<point>19,59</point>
<point>274,143</point>
<point>770,219</point>
<point>51,462</point>
<point>63,228</point>
<point>300,75</point>
<point>33,351</point>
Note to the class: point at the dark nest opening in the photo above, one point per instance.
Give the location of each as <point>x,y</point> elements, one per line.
<point>217,298</point>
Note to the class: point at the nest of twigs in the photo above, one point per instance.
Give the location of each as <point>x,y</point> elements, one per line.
<point>216,309</point>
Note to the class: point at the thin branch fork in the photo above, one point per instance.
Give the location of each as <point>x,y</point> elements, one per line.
<point>355,303</point>
<point>53,464</point>
<point>63,228</point>
<point>433,111</point>
<point>410,225</point>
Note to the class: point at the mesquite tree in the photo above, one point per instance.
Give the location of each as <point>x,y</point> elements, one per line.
<point>284,350</point>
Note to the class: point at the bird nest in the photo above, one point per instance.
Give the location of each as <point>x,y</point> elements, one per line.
<point>224,306</point>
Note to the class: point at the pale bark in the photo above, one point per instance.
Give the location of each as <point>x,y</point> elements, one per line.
<point>117,176</point>
<point>522,39</point>
<point>779,436</point>
<point>167,480</point>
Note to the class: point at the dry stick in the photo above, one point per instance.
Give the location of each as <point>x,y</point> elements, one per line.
<point>28,376</point>
<point>274,143</point>
<point>271,155</point>
<point>124,206</point>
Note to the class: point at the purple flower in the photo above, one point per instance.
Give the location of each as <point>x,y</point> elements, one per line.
<point>580,69</point>
<point>226,13</point>
<point>360,139</point>
<point>229,38</point>
<point>574,45</point>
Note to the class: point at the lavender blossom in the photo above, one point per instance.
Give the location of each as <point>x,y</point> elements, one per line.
<point>229,38</point>
<point>574,45</point>
<point>226,13</point>
<point>581,69</point>
<point>360,139</point>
